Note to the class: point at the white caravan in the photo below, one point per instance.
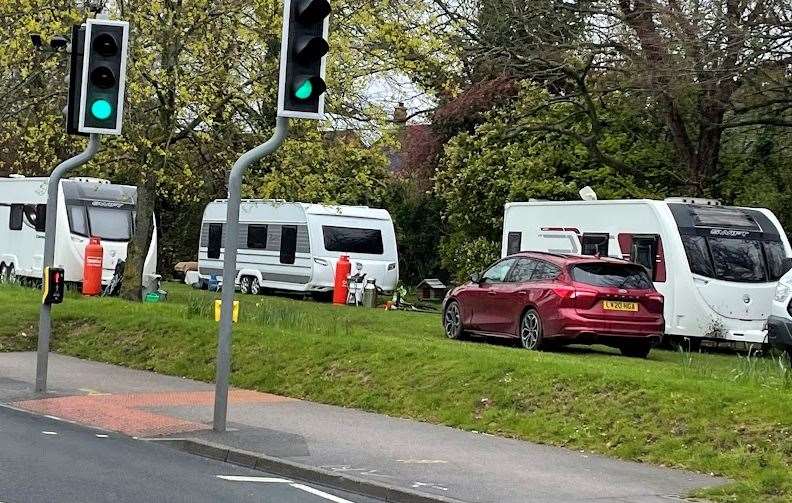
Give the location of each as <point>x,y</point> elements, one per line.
<point>295,246</point>
<point>86,207</point>
<point>716,266</point>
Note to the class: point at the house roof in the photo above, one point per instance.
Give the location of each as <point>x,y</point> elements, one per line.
<point>432,283</point>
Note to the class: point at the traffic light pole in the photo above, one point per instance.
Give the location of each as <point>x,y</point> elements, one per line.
<point>229,267</point>
<point>45,320</point>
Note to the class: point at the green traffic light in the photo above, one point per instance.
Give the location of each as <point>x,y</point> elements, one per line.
<point>304,90</point>
<point>101,109</point>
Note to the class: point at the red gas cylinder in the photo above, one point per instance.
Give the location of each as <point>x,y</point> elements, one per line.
<point>340,286</point>
<point>92,270</point>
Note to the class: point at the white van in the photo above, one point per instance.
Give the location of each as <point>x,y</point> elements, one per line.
<point>780,322</point>
<point>86,207</point>
<point>717,266</point>
<point>295,246</point>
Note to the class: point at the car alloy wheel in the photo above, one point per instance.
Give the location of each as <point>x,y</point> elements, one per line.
<point>244,285</point>
<point>531,330</point>
<point>255,287</point>
<point>452,321</point>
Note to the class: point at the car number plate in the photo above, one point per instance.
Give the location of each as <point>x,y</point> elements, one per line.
<point>615,305</point>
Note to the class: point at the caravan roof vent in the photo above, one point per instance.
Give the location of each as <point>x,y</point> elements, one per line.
<point>694,200</point>
<point>90,179</point>
<point>16,175</point>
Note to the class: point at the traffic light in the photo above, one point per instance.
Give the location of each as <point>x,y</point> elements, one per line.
<point>54,287</point>
<point>103,76</point>
<point>75,80</point>
<point>301,92</point>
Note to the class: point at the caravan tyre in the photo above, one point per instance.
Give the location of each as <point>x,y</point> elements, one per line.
<point>255,287</point>
<point>244,284</point>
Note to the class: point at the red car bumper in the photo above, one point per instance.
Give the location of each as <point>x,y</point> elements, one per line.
<point>571,325</point>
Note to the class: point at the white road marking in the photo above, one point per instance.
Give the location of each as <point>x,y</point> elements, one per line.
<point>418,485</point>
<point>234,478</point>
<point>49,433</point>
<point>102,436</point>
<point>422,461</point>
<point>321,494</point>
<point>56,418</point>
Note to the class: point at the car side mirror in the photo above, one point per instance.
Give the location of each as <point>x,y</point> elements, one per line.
<point>475,278</point>
<point>787,265</point>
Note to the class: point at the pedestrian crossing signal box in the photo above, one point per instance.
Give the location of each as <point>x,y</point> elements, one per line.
<point>54,286</point>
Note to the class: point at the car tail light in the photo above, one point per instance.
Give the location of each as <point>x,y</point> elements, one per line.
<point>654,302</point>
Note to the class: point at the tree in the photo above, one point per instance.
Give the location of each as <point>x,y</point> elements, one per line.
<point>706,66</point>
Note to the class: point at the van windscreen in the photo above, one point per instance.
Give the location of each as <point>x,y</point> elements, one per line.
<point>353,240</point>
<point>626,276</point>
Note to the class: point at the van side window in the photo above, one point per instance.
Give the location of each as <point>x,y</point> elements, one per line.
<point>15,220</point>
<point>257,237</point>
<point>595,244</point>
<point>514,242</point>
<point>215,240</point>
<point>288,248</point>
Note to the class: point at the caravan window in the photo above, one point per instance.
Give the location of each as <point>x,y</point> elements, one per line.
<point>78,221</point>
<point>257,237</point>
<point>737,259</point>
<point>215,241</point>
<point>111,224</point>
<point>775,253</point>
<point>353,240</point>
<point>15,219</point>
<point>595,244</point>
<point>698,255</point>
<point>514,243</point>
<point>288,248</point>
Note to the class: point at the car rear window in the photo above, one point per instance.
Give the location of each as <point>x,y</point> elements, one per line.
<point>627,276</point>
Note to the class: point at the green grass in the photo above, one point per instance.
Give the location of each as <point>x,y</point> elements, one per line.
<point>714,413</point>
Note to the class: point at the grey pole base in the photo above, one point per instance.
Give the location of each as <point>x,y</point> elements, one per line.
<point>229,267</point>
<point>45,318</point>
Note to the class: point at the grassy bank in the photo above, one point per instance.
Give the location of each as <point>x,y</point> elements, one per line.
<point>718,414</point>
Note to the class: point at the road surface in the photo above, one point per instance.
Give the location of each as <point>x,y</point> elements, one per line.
<point>46,460</point>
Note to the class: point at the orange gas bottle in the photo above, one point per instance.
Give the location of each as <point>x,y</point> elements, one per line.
<point>92,271</point>
<point>340,286</point>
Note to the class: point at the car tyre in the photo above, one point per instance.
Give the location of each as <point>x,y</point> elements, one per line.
<point>636,349</point>
<point>531,331</point>
<point>452,321</point>
<point>255,287</point>
<point>245,284</point>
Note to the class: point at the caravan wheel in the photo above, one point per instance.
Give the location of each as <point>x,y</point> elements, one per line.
<point>255,287</point>
<point>244,284</point>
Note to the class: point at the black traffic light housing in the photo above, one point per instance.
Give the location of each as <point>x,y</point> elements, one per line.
<point>103,76</point>
<point>75,80</point>
<point>301,91</point>
<point>54,287</point>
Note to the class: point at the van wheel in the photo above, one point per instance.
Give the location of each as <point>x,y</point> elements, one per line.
<point>452,321</point>
<point>255,287</point>
<point>531,331</point>
<point>636,349</point>
<point>245,284</point>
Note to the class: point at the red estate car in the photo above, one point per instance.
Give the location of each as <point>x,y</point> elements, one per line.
<point>545,298</point>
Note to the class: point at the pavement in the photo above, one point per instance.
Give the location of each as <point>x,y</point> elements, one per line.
<point>409,457</point>
<point>45,460</point>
